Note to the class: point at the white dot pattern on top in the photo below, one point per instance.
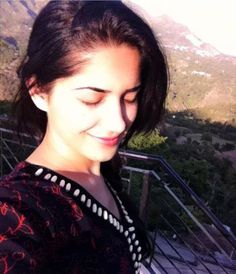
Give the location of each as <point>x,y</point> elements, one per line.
<point>127,229</point>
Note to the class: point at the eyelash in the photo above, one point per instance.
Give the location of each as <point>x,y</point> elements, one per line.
<point>131,101</point>
<point>91,103</point>
<point>96,103</point>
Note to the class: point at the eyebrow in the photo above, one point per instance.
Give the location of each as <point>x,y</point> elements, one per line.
<point>134,89</point>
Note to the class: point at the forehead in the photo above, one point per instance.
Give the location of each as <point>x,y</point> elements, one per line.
<point>109,67</point>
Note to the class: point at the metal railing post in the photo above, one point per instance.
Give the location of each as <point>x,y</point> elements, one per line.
<point>145,196</point>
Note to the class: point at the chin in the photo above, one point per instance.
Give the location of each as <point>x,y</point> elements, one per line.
<point>104,156</point>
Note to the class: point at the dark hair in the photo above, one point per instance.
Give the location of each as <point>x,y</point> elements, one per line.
<point>65,27</point>
<point>63,30</point>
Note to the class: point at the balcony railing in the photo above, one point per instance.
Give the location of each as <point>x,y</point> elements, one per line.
<point>187,237</point>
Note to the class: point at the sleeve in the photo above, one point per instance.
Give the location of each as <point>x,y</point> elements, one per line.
<point>17,240</point>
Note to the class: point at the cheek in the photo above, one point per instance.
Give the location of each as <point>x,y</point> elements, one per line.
<point>83,120</point>
<point>72,117</point>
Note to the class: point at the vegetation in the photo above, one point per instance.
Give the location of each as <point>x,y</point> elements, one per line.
<point>199,161</point>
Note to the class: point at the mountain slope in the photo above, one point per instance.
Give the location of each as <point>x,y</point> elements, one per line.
<point>16,20</point>
<point>202,78</point>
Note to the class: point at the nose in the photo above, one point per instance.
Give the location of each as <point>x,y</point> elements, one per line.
<point>113,118</point>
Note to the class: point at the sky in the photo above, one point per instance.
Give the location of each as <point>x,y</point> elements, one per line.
<point>213,21</point>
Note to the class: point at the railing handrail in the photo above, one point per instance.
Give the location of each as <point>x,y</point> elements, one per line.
<point>6,130</point>
<point>156,158</point>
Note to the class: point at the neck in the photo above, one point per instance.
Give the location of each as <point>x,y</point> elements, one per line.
<point>59,158</point>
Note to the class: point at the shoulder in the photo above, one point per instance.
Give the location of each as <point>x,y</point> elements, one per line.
<point>17,202</point>
<point>41,202</point>
<point>35,216</point>
<point>21,190</point>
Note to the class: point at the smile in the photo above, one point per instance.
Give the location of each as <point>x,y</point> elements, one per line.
<point>107,141</point>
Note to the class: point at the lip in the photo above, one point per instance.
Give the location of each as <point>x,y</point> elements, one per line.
<point>107,140</point>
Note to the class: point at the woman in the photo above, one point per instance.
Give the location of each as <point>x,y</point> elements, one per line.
<point>93,76</point>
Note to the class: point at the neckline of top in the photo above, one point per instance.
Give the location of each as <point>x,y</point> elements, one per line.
<point>54,176</point>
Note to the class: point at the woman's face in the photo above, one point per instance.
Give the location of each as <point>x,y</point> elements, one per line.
<point>89,112</point>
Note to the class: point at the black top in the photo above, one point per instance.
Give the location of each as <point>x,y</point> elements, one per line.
<point>51,224</point>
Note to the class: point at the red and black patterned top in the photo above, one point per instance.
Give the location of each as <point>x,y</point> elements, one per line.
<point>50,224</point>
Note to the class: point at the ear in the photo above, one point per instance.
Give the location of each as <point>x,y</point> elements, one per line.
<point>38,96</point>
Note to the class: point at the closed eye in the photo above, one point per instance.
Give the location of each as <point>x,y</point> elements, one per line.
<point>90,103</point>
<point>131,97</point>
<point>131,101</point>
